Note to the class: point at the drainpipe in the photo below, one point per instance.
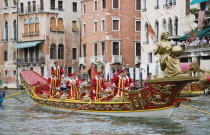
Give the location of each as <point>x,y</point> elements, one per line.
<point>17,81</point>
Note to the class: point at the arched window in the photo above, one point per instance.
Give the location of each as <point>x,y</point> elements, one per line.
<point>176,26</point>
<point>6,31</point>
<point>157,29</point>
<point>14,72</point>
<point>52,51</point>
<point>25,27</point>
<point>31,26</point>
<point>60,25</point>
<point>60,51</point>
<point>37,25</point>
<point>164,25</point>
<point>6,55</point>
<point>170,27</point>
<point>14,30</point>
<point>53,24</point>
<point>146,36</point>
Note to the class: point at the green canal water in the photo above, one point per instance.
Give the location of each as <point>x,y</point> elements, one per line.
<point>39,121</point>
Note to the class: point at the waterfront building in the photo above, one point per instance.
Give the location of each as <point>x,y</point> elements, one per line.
<point>110,35</point>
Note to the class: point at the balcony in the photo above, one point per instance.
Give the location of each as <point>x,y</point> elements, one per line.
<point>31,34</point>
<point>144,9</point>
<point>82,60</point>
<point>100,58</point>
<point>137,60</point>
<point>30,61</point>
<point>93,59</point>
<point>14,9</point>
<point>116,59</point>
<point>197,48</point>
<point>5,10</point>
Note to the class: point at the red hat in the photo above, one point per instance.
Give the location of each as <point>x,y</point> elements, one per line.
<point>98,73</point>
<point>122,70</point>
<point>74,73</point>
<point>56,62</point>
<point>52,72</point>
<point>71,74</point>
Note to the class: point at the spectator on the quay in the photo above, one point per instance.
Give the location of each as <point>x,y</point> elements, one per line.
<point>204,41</point>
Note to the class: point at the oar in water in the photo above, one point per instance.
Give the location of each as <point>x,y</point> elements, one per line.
<point>22,91</point>
<point>14,97</point>
<point>40,102</point>
<point>84,106</point>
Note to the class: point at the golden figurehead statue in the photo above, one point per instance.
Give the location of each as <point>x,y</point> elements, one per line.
<point>169,61</point>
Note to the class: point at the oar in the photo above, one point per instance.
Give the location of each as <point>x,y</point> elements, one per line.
<point>15,97</point>
<point>22,91</point>
<point>38,103</point>
<point>84,106</point>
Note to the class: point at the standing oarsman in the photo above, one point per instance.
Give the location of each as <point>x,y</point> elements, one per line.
<point>120,83</point>
<point>79,82</point>
<point>59,73</point>
<point>97,86</point>
<point>71,85</point>
<point>129,80</point>
<point>54,84</point>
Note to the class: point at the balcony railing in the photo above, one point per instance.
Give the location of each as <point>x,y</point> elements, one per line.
<point>14,9</point>
<point>32,60</point>
<point>197,48</point>
<point>116,59</point>
<point>137,60</point>
<point>100,58</point>
<point>82,60</point>
<point>93,59</point>
<point>5,10</point>
<point>144,9</point>
<point>31,34</point>
<point>36,9</point>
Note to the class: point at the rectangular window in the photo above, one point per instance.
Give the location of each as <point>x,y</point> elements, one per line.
<point>116,48</point>
<point>74,26</point>
<point>84,9</point>
<point>115,25</point>
<point>103,48</point>
<point>14,2</point>
<point>69,70</point>
<point>102,25</point>
<point>84,28</point>
<point>138,49</point>
<point>103,4</point>
<point>21,8</point>
<point>6,3</point>
<point>41,5</point>
<point>31,68</point>
<point>74,52</point>
<point>60,5</point>
<point>138,26</point>
<point>138,4</point>
<point>34,6</point>
<point>95,5</point>
<point>84,51</point>
<point>95,26</point>
<point>149,57</point>
<point>115,4</point>
<point>29,7</point>
<point>52,4</point>
<point>95,49</point>
<point>74,6</point>
<point>42,71</point>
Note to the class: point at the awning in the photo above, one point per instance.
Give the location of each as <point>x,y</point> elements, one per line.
<point>197,1</point>
<point>86,70</point>
<point>199,33</point>
<point>26,44</point>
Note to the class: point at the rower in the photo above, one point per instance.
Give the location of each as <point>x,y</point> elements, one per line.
<point>71,85</point>
<point>59,73</point>
<point>79,83</point>
<point>53,83</point>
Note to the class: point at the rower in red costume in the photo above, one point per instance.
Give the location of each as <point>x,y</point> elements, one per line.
<point>97,86</point>
<point>120,82</point>
<point>71,85</point>
<point>53,83</point>
<point>59,73</point>
<point>79,83</point>
<point>129,79</point>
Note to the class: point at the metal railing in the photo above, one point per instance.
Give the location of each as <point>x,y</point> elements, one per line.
<point>93,59</point>
<point>82,60</point>
<point>117,59</point>
<point>137,59</point>
<point>31,60</point>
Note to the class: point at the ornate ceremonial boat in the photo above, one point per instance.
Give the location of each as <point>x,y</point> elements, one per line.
<point>157,100</point>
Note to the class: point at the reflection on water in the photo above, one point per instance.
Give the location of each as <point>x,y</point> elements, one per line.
<point>39,120</point>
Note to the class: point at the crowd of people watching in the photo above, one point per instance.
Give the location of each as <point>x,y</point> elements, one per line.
<point>190,42</point>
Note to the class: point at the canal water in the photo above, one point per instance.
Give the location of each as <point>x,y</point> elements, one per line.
<point>39,121</point>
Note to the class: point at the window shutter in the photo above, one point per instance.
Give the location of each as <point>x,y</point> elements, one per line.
<point>60,25</point>
<point>36,27</point>
<point>31,28</point>
<point>74,26</point>
<point>25,28</point>
<point>53,24</point>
